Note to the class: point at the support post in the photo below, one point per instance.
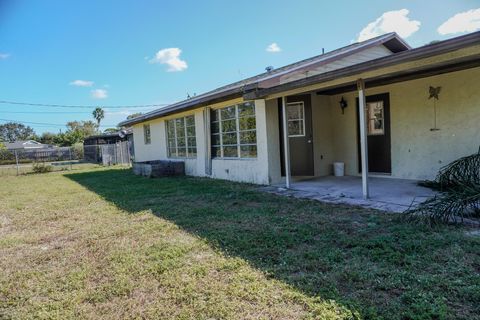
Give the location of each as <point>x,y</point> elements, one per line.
<point>363,137</point>
<point>286,145</point>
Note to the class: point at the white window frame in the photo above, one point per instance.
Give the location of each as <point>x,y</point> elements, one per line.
<point>187,146</point>
<point>237,131</point>
<point>147,139</point>
<point>292,120</point>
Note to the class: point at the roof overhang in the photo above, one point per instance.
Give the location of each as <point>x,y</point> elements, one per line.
<point>193,103</point>
<point>345,78</point>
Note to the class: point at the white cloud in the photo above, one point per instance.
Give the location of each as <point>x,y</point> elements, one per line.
<point>390,21</point>
<point>170,57</point>
<point>99,94</point>
<point>81,83</point>
<point>467,21</point>
<point>273,48</point>
<point>4,56</point>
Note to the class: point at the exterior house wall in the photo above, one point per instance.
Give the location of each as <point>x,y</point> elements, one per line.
<point>245,170</point>
<point>273,145</point>
<point>157,149</point>
<point>417,152</point>
<point>323,151</point>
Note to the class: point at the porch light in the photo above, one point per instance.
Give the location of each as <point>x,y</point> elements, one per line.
<point>343,105</point>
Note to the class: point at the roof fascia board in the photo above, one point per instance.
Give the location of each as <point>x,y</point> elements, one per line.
<point>401,57</point>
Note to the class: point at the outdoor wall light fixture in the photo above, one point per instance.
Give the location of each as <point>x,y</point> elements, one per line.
<point>343,105</point>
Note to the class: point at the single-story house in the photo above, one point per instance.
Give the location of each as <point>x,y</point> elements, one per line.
<point>26,145</point>
<point>419,110</point>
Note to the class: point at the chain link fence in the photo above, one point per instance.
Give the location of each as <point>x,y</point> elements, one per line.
<point>23,161</point>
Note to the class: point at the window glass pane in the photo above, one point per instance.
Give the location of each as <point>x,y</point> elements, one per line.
<point>215,127</point>
<point>248,137</point>
<point>248,151</point>
<point>214,115</point>
<point>176,140</point>
<point>192,142</point>
<point>375,120</point>
<point>190,120</point>
<point>294,111</point>
<point>229,138</point>
<point>216,152</point>
<point>215,139</point>
<point>228,113</point>
<point>146,133</point>
<point>180,142</point>
<point>227,135</point>
<point>229,126</point>
<point>191,131</point>
<point>246,109</point>
<point>295,128</point>
<point>247,123</point>
<point>229,151</point>
<point>170,128</point>
<point>182,152</point>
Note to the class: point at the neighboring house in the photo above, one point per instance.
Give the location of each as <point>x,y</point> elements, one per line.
<point>91,144</point>
<point>26,145</point>
<point>236,132</point>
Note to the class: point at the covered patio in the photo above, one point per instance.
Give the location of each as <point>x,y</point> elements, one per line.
<point>388,194</point>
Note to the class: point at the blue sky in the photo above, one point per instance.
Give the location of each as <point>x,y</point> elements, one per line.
<point>115,47</point>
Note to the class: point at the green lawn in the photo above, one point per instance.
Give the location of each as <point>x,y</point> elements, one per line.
<point>107,244</point>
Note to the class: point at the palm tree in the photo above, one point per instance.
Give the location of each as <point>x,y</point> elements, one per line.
<point>98,114</point>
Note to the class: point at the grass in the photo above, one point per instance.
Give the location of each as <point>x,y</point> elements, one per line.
<point>107,244</point>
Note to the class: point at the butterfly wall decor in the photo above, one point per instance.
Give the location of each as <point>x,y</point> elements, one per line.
<point>434,92</point>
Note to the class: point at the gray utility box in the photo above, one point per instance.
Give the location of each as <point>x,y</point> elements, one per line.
<point>159,168</point>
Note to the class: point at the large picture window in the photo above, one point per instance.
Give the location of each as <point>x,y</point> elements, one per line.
<point>181,140</point>
<point>234,133</point>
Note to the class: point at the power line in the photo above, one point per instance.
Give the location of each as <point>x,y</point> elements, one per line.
<point>56,112</point>
<point>49,124</point>
<point>78,106</point>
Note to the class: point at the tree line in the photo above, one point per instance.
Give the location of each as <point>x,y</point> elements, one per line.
<point>76,131</point>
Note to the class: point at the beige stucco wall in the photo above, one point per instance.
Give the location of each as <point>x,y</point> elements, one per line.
<point>244,170</point>
<point>157,149</point>
<point>417,152</point>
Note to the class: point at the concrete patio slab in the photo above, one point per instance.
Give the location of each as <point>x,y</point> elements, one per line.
<point>388,194</point>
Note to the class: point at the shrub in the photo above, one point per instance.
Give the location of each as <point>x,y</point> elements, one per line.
<point>458,184</point>
<point>42,168</point>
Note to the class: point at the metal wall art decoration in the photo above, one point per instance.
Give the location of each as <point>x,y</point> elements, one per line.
<point>434,92</point>
<point>343,105</point>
